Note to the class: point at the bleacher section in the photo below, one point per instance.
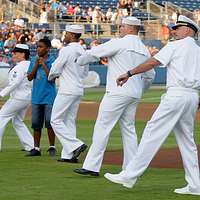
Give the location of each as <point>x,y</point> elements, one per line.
<point>187,4</point>
<point>143,15</point>
<point>104,4</point>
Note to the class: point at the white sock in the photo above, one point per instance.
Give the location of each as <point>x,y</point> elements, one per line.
<point>37,148</point>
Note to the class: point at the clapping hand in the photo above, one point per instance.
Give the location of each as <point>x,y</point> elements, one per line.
<point>122,79</point>
<point>41,61</point>
<point>104,61</point>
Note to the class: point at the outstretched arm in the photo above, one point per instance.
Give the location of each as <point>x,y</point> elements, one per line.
<point>58,64</point>
<point>86,58</point>
<point>146,66</point>
<point>104,50</point>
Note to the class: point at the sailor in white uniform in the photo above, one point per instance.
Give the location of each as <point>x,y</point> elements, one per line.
<point>66,104</point>
<point>19,90</point>
<point>118,104</point>
<point>176,111</point>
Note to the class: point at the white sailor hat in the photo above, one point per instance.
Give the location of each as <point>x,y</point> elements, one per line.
<point>74,28</point>
<point>133,21</point>
<point>21,48</point>
<point>185,21</point>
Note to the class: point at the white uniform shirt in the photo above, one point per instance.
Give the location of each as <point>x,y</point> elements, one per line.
<point>69,72</point>
<point>123,54</point>
<point>182,59</point>
<point>18,87</point>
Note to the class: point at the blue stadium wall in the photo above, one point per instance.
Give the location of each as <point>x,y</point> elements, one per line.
<point>102,71</point>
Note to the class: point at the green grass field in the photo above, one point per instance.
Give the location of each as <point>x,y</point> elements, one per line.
<point>43,178</point>
<point>151,96</point>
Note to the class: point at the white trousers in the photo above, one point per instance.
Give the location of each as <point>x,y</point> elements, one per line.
<point>176,113</point>
<point>63,122</point>
<point>16,109</point>
<point>113,108</point>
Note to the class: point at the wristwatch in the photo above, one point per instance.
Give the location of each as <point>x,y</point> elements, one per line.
<point>129,73</point>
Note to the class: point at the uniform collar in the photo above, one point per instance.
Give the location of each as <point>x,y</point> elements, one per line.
<point>135,44</point>
<point>73,44</point>
<point>189,38</point>
<point>130,36</point>
<point>22,62</point>
<point>19,64</point>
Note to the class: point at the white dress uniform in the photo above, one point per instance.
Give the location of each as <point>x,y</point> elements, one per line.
<point>118,104</point>
<point>176,113</point>
<point>15,108</point>
<point>67,101</point>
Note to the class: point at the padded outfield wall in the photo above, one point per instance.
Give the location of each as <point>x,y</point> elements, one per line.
<point>102,71</point>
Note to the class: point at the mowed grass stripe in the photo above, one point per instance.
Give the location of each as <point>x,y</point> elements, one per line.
<point>150,96</point>
<point>85,131</point>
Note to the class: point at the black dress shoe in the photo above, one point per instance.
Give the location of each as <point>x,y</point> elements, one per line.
<point>79,150</point>
<point>52,151</point>
<point>34,152</point>
<point>68,160</point>
<point>86,172</point>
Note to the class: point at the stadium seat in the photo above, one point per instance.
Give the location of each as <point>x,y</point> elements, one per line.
<point>87,28</point>
<point>113,29</point>
<point>190,5</point>
<point>62,27</point>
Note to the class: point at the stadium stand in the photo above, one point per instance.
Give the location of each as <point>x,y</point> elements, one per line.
<point>140,14</point>
<point>187,4</point>
<point>104,4</point>
<point>88,28</point>
<point>152,32</point>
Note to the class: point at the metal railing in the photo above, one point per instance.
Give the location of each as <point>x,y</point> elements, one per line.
<point>26,8</point>
<point>150,30</point>
<point>155,9</point>
<point>29,7</point>
<point>172,7</point>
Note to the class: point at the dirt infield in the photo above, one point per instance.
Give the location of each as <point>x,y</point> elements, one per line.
<point>89,110</point>
<point>165,158</point>
<point>144,111</point>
